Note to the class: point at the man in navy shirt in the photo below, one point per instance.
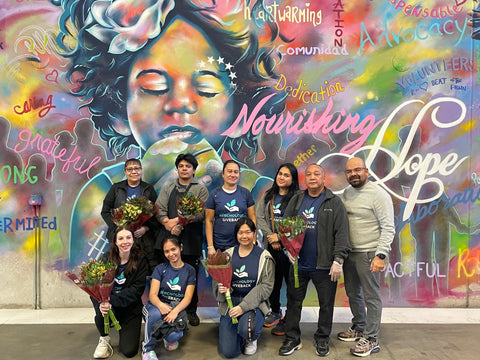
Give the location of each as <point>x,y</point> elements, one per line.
<point>325,247</point>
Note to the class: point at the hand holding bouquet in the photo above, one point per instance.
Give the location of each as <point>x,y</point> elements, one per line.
<point>96,279</point>
<point>292,232</point>
<point>219,266</point>
<point>134,213</point>
<point>189,209</point>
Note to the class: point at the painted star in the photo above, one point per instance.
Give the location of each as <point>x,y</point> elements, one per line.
<point>220,60</point>
<point>232,75</point>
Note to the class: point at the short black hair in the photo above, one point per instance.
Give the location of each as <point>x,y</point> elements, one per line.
<point>188,158</point>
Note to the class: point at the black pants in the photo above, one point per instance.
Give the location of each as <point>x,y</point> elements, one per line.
<point>282,269</point>
<point>195,262</point>
<point>326,290</point>
<point>129,334</point>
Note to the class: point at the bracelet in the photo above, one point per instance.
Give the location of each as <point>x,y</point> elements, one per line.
<point>210,247</point>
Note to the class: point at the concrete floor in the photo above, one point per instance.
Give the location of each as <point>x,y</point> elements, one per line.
<point>406,333</point>
<point>397,341</point>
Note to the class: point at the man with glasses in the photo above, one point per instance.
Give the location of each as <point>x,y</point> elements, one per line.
<point>324,249</point>
<point>372,228</point>
<point>132,186</point>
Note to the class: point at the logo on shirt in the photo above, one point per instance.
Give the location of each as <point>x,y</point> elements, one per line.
<point>231,206</point>
<point>276,209</point>
<point>120,280</point>
<point>241,273</point>
<point>173,284</point>
<point>309,213</point>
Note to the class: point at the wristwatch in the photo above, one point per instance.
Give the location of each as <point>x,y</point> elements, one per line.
<point>338,260</point>
<point>382,256</point>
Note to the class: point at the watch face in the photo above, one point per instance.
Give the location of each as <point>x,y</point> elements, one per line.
<point>381,256</point>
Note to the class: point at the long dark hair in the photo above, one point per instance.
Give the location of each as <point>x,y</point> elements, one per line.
<point>274,190</point>
<point>114,254</point>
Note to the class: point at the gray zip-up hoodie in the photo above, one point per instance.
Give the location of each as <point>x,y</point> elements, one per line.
<point>258,296</point>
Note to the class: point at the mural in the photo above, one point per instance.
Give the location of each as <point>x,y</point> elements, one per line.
<point>86,84</point>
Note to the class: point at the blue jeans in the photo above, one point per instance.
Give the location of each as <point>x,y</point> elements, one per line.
<point>363,288</point>
<point>230,335</point>
<point>326,290</point>
<point>151,315</point>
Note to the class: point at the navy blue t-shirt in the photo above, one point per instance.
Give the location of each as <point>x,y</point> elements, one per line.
<point>119,279</point>
<point>307,259</point>
<point>173,281</point>
<point>244,272</point>
<point>278,211</point>
<point>133,191</point>
<point>228,209</point>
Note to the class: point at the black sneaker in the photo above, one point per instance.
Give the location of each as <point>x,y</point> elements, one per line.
<point>279,330</point>
<point>321,347</point>
<point>272,319</point>
<point>289,346</point>
<point>193,318</point>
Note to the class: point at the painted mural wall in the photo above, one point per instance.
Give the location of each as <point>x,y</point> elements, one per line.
<point>86,84</point>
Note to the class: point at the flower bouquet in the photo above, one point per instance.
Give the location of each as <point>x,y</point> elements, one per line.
<point>219,266</point>
<point>189,209</point>
<point>134,213</point>
<point>96,279</point>
<point>292,232</point>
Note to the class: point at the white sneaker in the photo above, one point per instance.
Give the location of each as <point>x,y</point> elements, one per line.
<point>250,347</point>
<point>104,349</point>
<point>151,355</point>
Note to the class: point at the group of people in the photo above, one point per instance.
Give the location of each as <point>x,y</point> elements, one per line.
<point>349,234</point>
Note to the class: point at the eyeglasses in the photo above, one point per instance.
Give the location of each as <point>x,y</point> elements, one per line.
<point>356,171</point>
<point>132,169</point>
<point>248,232</point>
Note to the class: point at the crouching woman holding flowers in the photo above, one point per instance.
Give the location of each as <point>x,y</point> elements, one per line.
<point>171,290</point>
<point>126,297</point>
<point>252,283</point>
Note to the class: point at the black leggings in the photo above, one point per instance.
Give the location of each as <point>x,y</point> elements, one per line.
<point>129,334</point>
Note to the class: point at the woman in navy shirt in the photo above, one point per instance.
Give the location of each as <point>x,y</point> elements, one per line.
<point>171,290</point>
<point>224,206</point>
<point>252,282</point>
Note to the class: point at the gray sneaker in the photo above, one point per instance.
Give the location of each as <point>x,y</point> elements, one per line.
<point>350,335</point>
<point>365,347</point>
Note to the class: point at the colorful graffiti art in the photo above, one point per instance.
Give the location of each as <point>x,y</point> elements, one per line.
<point>86,84</point>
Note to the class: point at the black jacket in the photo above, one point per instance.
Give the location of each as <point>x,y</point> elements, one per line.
<point>117,196</point>
<point>127,303</point>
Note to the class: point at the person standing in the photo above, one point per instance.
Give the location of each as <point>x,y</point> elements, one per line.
<point>190,235</point>
<point>271,208</point>
<point>372,228</point>
<point>225,205</point>
<point>324,250</point>
<point>132,186</point>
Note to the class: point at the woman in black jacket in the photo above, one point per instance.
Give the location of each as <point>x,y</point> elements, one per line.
<point>118,194</point>
<point>126,296</point>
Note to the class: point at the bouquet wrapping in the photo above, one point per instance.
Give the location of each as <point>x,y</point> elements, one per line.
<point>292,233</point>
<point>189,209</point>
<point>219,266</point>
<point>96,279</point>
<point>134,213</point>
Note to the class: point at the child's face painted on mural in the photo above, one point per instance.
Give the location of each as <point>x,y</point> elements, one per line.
<point>173,90</point>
